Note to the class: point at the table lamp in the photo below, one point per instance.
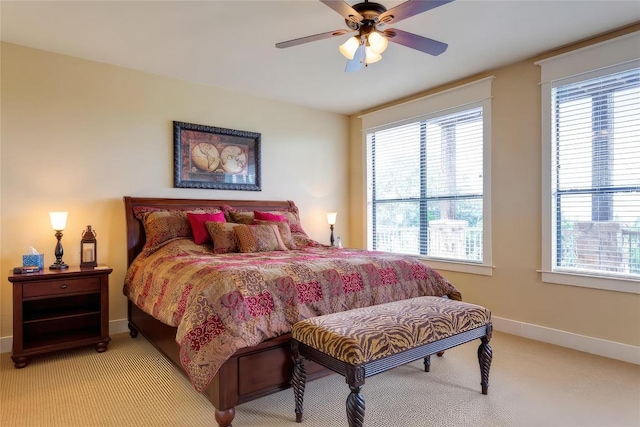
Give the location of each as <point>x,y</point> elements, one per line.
<point>58,223</point>
<point>331,219</point>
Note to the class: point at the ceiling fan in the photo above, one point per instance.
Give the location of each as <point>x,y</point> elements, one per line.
<point>368,20</point>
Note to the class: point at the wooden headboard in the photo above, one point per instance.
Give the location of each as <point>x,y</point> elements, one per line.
<point>135,229</point>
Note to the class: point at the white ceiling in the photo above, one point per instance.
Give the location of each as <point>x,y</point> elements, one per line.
<point>230,44</point>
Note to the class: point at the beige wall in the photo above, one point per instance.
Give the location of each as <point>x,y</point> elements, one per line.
<point>515,291</point>
<point>79,135</point>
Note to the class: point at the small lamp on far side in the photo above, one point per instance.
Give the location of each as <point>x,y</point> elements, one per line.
<point>58,223</point>
<point>331,219</point>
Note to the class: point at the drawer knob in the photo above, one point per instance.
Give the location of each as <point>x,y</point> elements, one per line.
<point>63,286</point>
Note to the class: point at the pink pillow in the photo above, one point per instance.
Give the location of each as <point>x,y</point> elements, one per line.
<point>266,216</point>
<point>197,221</point>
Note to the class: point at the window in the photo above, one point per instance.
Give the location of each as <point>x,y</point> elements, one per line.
<point>592,196</point>
<point>426,185</point>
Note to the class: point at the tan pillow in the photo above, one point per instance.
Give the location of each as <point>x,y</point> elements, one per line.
<point>223,236</point>
<point>162,225</point>
<point>239,217</point>
<point>259,238</point>
<point>285,232</point>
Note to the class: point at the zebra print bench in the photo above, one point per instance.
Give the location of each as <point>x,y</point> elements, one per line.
<point>366,341</point>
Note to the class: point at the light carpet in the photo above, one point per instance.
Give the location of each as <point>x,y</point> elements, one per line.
<point>531,384</point>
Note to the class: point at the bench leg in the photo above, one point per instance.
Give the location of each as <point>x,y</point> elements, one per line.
<point>427,363</point>
<point>298,381</point>
<point>485,354</point>
<point>355,407</point>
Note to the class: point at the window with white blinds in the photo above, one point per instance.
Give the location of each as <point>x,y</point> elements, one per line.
<point>425,185</point>
<point>595,168</point>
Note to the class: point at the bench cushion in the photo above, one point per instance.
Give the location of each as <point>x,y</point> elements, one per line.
<point>365,334</point>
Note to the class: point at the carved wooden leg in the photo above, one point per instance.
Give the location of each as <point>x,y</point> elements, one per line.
<point>355,402</point>
<point>20,361</point>
<point>101,347</point>
<point>427,363</point>
<point>355,407</point>
<point>440,353</point>
<point>298,380</point>
<point>225,418</point>
<point>132,330</point>
<point>485,355</point>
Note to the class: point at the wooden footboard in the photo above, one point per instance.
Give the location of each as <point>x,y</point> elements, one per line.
<point>242,378</point>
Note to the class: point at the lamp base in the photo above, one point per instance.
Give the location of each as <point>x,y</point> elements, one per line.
<point>57,266</point>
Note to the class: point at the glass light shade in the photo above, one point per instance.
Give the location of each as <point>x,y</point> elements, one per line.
<point>377,42</point>
<point>348,48</point>
<point>58,220</point>
<point>372,56</point>
<point>331,218</point>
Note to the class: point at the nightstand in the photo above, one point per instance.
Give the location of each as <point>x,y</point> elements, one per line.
<point>59,309</point>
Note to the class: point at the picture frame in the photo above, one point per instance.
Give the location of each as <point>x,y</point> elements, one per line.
<point>216,158</point>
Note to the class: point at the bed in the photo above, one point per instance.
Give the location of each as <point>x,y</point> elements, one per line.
<point>225,318</point>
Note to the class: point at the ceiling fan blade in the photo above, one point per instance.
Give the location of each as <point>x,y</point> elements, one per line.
<point>357,62</point>
<point>313,38</point>
<point>409,9</point>
<point>344,9</point>
<point>414,41</point>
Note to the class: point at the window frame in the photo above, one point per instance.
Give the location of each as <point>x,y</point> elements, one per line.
<point>593,61</point>
<point>466,96</point>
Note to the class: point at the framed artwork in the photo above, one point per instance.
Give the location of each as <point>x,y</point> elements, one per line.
<point>217,158</point>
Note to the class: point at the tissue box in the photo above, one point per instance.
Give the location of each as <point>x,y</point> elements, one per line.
<point>29,260</point>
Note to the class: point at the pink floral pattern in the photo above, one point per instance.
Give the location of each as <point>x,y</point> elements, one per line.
<point>351,283</point>
<point>260,305</point>
<point>389,276</point>
<point>309,292</point>
<point>221,303</point>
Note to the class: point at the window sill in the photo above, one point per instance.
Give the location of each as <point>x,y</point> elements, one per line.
<point>460,267</point>
<point>590,281</point>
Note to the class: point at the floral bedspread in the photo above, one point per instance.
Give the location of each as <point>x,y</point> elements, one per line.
<point>221,303</point>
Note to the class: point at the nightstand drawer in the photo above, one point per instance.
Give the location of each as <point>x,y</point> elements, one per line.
<point>60,286</point>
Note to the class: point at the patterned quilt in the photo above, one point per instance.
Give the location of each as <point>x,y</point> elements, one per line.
<point>224,302</point>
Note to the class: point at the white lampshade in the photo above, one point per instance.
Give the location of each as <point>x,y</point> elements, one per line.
<point>331,218</point>
<point>58,220</point>
<point>348,48</point>
<point>377,42</point>
<point>371,56</point>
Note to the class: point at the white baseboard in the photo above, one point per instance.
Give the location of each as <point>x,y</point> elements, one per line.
<point>600,347</point>
<point>118,326</point>
<point>115,327</point>
<point>611,349</point>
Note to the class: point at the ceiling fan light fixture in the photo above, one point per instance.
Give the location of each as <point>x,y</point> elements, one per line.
<point>371,56</point>
<point>348,48</point>
<point>377,42</point>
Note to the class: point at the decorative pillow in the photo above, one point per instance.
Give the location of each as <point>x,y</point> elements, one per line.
<point>239,217</point>
<point>292,216</point>
<point>223,236</point>
<point>285,232</point>
<point>161,226</point>
<point>302,240</point>
<point>140,212</point>
<point>268,216</point>
<point>259,238</point>
<point>197,221</point>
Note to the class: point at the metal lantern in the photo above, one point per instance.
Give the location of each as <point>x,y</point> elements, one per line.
<point>88,248</point>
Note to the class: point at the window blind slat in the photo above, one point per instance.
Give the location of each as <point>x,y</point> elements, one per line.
<point>425,182</point>
<point>595,173</point>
